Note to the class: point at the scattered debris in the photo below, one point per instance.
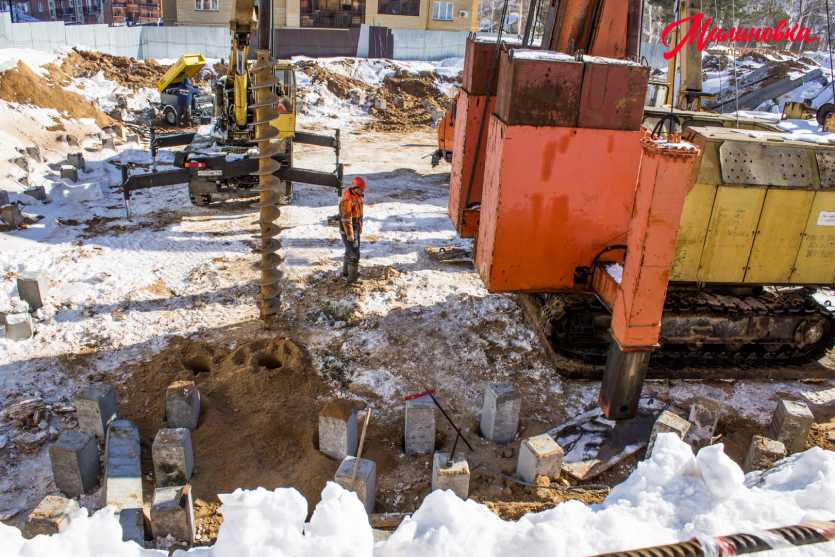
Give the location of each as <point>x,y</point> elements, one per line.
<point>593,444</point>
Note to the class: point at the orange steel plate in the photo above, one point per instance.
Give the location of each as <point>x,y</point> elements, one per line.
<point>553,199</point>
<point>469,113</point>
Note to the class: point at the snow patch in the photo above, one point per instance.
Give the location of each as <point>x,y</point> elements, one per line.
<point>670,497</point>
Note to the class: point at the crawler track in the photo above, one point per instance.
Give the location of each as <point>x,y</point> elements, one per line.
<point>705,335</point>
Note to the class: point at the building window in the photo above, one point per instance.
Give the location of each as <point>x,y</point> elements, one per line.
<point>340,14</point>
<point>399,7</point>
<point>206,5</point>
<point>442,11</point>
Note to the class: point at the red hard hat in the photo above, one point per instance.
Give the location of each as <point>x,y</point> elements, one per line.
<point>358,182</point>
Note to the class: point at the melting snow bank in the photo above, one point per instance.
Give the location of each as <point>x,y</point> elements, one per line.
<point>672,496</point>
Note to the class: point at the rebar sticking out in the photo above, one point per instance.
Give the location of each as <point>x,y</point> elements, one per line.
<point>263,86</point>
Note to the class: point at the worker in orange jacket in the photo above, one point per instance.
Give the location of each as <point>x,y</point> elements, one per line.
<point>350,227</point>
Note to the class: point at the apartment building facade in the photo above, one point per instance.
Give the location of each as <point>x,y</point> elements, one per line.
<point>431,15</point>
<point>113,12</point>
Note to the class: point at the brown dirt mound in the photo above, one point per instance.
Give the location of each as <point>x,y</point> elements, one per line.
<point>126,71</point>
<point>129,72</point>
<point>21,85</point>
<point>259,408</point>
<point>411,101</point>
<point>405,101</point>
<point>338,84</point>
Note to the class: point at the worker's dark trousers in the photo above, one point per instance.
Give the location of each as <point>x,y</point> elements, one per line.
<point>351,262</point>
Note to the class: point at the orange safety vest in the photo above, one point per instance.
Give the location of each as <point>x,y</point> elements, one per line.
<point>350,207</point>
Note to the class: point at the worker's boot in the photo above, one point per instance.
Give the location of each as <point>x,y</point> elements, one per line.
<point>353,272</point>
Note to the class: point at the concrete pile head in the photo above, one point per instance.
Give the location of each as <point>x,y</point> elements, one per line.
<point>539,456</point>
<point>500,412</point>
<point>96,406</point>
<point>182,405</point>
<point>19,326</point>
<point>51,516</point>
<point>763,453</point>
<point>791,424</point>
<point>667,422</point>
<point>173,457</point>
<point>704,418</point>
<point>172,513</point>
<point>338,429</point>
<point>452,474</point>
<point>365,483</point>
<point>419,433</point>
<point>31,287</point>
<point>75,462</point>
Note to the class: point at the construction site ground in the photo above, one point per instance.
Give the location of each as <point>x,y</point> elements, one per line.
<point>171,294</point>
<point>412,323</point>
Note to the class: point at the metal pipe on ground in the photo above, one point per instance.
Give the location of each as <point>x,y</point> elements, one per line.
<point>744,543</point>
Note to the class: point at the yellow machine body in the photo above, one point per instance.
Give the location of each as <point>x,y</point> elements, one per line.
<point>187,66</point>
<point>762,211</point>
<point>286,87</point>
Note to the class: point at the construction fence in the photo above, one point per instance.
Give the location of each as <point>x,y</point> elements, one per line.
<point>213,42</point>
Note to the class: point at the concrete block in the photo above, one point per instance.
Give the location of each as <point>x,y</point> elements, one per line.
<point>75,462</point>
<point>96,406</point>
<point>4,197</point>
<point>132,522</point>
<point>108,143</point>
<point>420,426</point>
<point>500,412</point>
<point>791,423</point>
<point>173,457</point>
<point>37,192</point>
<point>539,456</point>
<point>11,215</point>
<point>76,160</point>
<point>21,162</point>
<point>67,138</point>
<point>69,172</point>
<point>34,152</point>
<point>51,516</point>
<point>172,513</point>
<point>667,422</point>
<point>123,474</point>
<point>763,453</point>
<point>338,429</point>
<point>365,484</point>
<point>19,326</point>
<point>132,138</point>
<point>182,404</point>
<point>453,475</point>
<point>704,417</point>
<point>31,287</point>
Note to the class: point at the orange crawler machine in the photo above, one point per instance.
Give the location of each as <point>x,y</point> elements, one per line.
<point>564,155</point>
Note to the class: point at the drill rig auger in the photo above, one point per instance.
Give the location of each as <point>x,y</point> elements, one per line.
<point>248,149</point>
